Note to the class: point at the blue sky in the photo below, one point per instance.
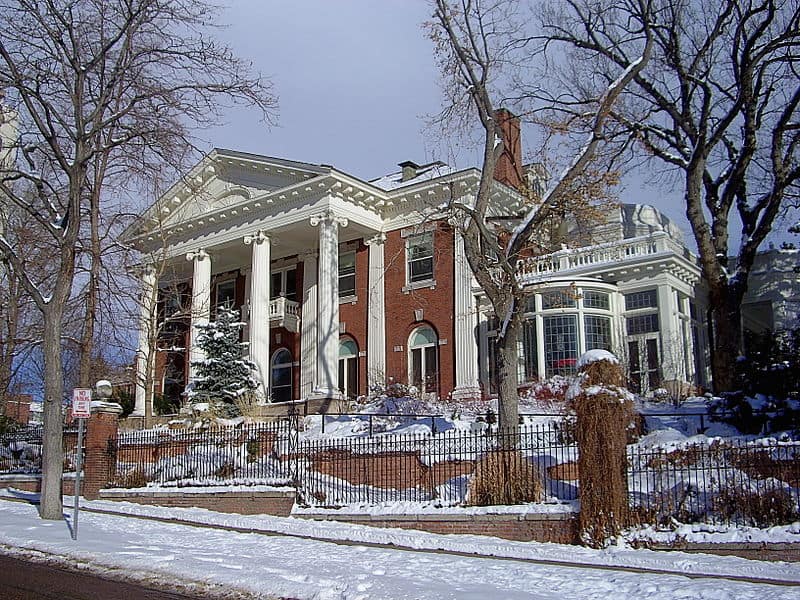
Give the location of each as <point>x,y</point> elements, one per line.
<point>356,80</point>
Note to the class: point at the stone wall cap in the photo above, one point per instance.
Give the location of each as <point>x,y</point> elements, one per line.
<point>101,406</point>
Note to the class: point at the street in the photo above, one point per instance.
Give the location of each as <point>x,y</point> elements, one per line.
<point>23,580</point>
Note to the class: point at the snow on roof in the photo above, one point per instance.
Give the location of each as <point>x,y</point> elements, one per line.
<point>393,181</point>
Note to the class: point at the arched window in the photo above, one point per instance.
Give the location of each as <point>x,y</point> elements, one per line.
<point>423,360</point>
<point>348,368</point>
<point>281,376</point>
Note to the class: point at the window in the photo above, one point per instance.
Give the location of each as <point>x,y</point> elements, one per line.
<point>424,359</point>
<point>530,359</point>
<point>347,274</point>
<point>348,369</point>
<point>643,357</point>
<point>284,284</point>
<point>642,324</point>
<point>173,385</point>
<point>561,344</point>
<point>645,299</point>
<point>226,294</point>
<point>598,332</point>
<point>281,376</point>
<point>557,299</point>
<point>599,300</point>
<point>419,254</point>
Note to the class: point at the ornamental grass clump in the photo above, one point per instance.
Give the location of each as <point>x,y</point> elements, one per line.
<point>604,413</point>
<point>504,477</point>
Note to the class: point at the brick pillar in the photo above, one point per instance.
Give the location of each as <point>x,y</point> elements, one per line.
<point>100,460</point>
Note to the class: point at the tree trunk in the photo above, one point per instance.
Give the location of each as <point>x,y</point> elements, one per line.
<point>726,317</point>
<point>50,506</point>
<point>508,393</point>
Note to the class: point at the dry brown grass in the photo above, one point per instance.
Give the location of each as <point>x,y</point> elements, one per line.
<point>602,425</point>
<point>135,478</point>
<point>504,477</point>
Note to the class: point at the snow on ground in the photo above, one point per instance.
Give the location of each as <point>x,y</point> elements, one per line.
<point>313,569</point>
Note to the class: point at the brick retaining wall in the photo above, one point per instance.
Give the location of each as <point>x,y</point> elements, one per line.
<point>545,527</point>
<point>274,502</point>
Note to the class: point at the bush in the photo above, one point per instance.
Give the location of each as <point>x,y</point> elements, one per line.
<point>771,364</point>
<point>504,477</point>
<point>766,508</point>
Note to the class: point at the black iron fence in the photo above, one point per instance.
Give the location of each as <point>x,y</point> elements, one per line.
<point>21,450</point>
<point>724,481</point>
<point>244,455</point>
<point>730,481</point>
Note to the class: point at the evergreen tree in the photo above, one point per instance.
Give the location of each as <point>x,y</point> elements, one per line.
<point>224,375</point>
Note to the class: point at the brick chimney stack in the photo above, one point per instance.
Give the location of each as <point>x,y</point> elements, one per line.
<point>508,169</point>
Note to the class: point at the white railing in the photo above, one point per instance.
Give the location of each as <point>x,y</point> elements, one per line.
<point>281,307</point>
<point>612,252</point>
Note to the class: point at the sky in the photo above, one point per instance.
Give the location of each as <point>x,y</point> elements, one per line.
<point>357,83</point>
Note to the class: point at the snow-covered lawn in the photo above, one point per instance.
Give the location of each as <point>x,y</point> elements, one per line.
<point>289,566</point>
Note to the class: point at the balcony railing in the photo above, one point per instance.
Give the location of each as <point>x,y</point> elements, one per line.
<point>609,253</point>
<point>284,313</point>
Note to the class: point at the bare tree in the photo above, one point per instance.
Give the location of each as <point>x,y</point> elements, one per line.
<point>717,106</point>
<point>475,41</point>
<point>89,77</point>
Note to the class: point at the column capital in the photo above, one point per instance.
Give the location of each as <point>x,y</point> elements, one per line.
<point>376,240</point>
<point>258,237</point>
<point>328,217</point>
<point>199,254</point>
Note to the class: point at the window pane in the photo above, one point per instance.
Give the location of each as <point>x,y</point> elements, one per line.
<point>347,348</point>
<point>561,344</point>
<point>416,367</point>
<point>226,294</point>
<point>352,377</point>
<point>531,362</point>
<point>598,332</point>
<point>596,300</point>
<point>422,337</point>
<point>431,370</point>
<point>642,324</point>
<point>420,257</point>
<point>276,285</point>
<point>421,269</point>
<point>645,299</point>
<point>291,284</point>
<point>653,364</point>
<point>635,367</point>
<point>347,274</point>
<point>557,299</point>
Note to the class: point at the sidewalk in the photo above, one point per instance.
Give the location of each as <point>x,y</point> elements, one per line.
<point>309,559</point>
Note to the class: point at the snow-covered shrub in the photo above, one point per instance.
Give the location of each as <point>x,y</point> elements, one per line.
<point>504,477</point>
<point>771,365</point>
<point>757,508</point>
<point>604,411</point>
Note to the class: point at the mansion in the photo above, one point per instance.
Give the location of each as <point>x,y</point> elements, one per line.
<point>344,284</point>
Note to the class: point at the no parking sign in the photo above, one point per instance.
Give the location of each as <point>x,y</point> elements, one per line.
<point>81,403</point>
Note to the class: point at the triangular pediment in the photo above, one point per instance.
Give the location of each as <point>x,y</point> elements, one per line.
<point>223,180</point>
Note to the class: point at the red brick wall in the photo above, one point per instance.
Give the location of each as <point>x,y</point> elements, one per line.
<point>437,304</point>
<point>18,407</point>
<point>354,316</point>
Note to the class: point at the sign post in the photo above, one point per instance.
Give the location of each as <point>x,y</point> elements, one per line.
<point>81,410</point>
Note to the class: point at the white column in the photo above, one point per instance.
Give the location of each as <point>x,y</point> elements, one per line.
<point>328,304</point>
<point>669,326</point>
<point>259,308</point>
<point>466,323</point>
<point>145,352</point>
<point>376,314</point>
<point>308,326</point>
<point>201,303</point>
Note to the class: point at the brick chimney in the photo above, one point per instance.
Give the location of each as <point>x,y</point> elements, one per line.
<point>508,169</point>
